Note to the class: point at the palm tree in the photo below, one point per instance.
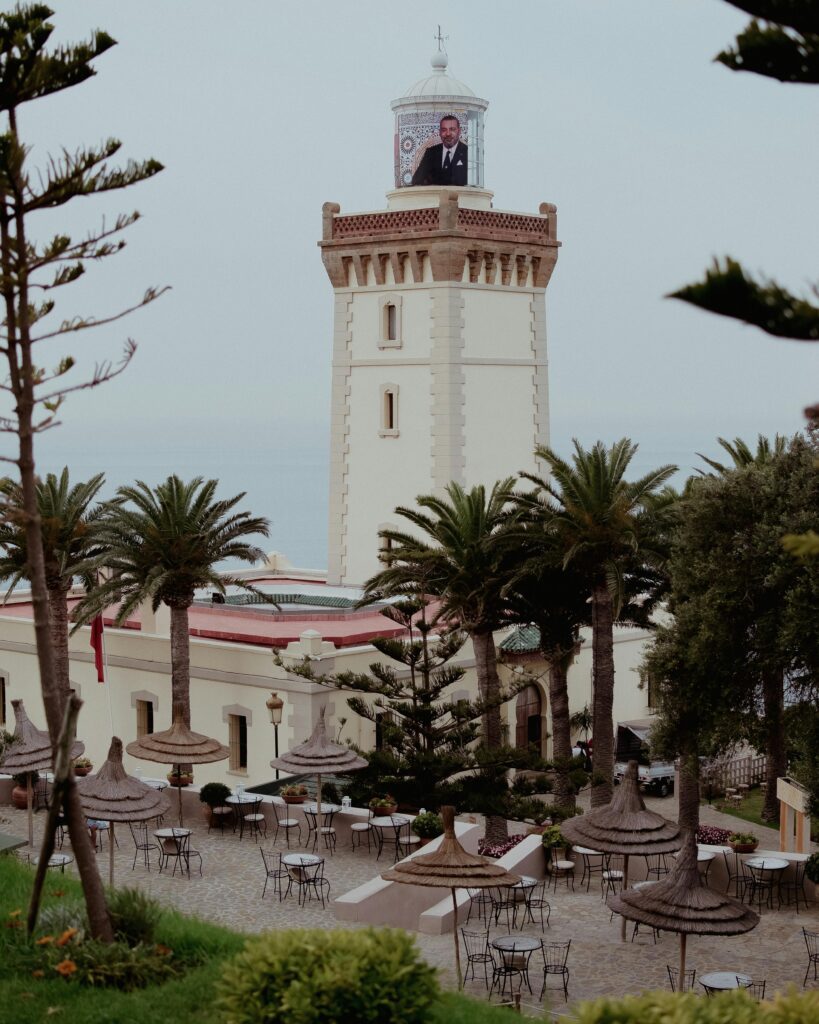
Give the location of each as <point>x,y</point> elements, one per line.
<point>742,455</point>
<point>460,555</point>
<point>607,527</point>
<point>160,545</point>
<point>69,528</point>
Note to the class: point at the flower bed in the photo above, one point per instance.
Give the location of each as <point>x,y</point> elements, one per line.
<point>710,835</point>
<point>498,849</point>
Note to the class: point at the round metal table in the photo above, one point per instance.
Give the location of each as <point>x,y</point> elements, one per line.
<point>724,981</point>
<point>56,860</point>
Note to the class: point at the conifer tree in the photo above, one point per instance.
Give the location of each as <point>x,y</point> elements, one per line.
<point>33,267</point>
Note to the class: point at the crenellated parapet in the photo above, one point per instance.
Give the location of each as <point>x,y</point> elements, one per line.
<point>457,243</point>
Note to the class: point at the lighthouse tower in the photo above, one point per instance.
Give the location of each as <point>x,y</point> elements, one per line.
<point>439,338</point>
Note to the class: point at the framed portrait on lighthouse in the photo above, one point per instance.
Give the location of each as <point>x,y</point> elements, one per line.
<point>439,147</point>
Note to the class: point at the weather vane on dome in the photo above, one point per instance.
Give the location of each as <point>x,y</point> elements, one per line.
<point>441,40</point>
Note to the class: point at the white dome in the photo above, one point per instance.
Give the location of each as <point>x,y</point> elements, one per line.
<point>439,83</point>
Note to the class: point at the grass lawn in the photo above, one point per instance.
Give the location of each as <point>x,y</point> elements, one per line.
<point>751,809</point>
<point>25,999</point>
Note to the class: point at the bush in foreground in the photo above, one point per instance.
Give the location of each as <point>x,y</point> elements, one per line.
<point>313,976</point>
<point>727,1008</point>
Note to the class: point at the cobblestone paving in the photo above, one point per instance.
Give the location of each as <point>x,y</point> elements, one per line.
<point>229,892</point>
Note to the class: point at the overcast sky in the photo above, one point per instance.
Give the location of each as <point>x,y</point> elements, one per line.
<point>657,158</point>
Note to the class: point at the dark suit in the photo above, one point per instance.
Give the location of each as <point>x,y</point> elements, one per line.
<point>431,171</point>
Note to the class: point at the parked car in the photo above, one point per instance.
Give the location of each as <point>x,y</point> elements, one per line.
<point>632,745</point>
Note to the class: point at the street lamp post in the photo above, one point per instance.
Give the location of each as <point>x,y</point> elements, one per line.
<point>275,706</point>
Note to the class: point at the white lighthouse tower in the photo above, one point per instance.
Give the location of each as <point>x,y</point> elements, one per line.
<point>439,339</point>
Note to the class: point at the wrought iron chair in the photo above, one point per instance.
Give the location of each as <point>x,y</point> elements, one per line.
<point>656,865</point>
<point>220,816</point>
<point>325,830</point>
<point>360,829</point>
<point>756,989</point>
<point>592,865</point>
<point>309,879</point>
<point>178,849</point>
<point>674,979</point>
<point>482,899</point>
<point>287,824</point>
<point>738,874</point>
<point>795,885</point>
<point>504,900</point>
<point>611,880</point>
<point>535,900</point>
<point>278,872</point>
<point>812,942</point>
<point>506,965</point>
<point>142,842</point>
<point>555,955</point>
<point>254,821</point>
<point>476,945</point>
<point>763,884</point>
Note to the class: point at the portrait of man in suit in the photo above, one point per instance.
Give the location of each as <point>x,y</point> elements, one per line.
<point>446,163</point>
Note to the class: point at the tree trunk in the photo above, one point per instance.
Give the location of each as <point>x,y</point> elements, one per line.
<point>776,760</point>
<point>58,619</point>
<point>603,673</point>
<point>181,661</point>
<point>486,669</point>
<point>688,792</point>
<point>561,730</point>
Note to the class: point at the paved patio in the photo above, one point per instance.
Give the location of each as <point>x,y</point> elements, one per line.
<point>229,892</point>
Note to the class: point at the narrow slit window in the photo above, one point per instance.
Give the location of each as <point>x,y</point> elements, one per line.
<point>3,717</point>
<point>392,322</point>
<point>238,743</point>
<point>389,410</point>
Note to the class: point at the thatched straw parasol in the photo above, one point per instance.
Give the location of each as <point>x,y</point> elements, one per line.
<point>178,745</point>
<point>319,756</point>
<point>451,867</point>
<point>624,826</point>
<point>111,795</point>
<point>30,751</point>
<point>681,903</point>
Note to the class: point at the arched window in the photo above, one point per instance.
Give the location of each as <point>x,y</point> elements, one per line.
<point>389,321</point>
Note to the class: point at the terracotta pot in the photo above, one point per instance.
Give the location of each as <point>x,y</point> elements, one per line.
<point>294,799</point>
<point>424,840</point>
<point>183,781</point>
<point>384,810</point>
<point>743,847</point>
<point>82,770</point>
<point>19,798</point>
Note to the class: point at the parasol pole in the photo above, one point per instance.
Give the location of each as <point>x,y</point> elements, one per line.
<point>29,803</point>
<point>455,936</point>
<point>625,886</point>
<point>683,937</point>
<point>178,768</point>
<point>111,854</point>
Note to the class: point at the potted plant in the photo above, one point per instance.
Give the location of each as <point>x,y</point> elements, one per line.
<point>213,794</point>
<point>295,793</point>
<point>383,805</point>
<point>19,793</point>
<point>743,842</point>
<point>554,843</point>
<point>427,826</point>
<point>82,766</point>
<point>177,778</point>
<point>812,868</point>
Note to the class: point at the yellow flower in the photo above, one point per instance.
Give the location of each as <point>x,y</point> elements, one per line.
<point>66,968</point>
<point>15,913</point>
<point>45,940</point>
<point>66,936</point>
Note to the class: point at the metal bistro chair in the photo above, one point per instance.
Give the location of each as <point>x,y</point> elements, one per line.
<point>325,830</point>
<point>406,840</point>
<point>287,824</point>
<point>812,942</point>
<point>535,900</point>
<point>476,945</point>
<point>142,842</point>
<point>592,865</point>
<point>674,979</point>
<point>360,829</point>
<point>278,872</point>
<point>738,874</point>
<point>219,816</point>
<point>309,879</point>
<point>506,964</point>
<point>795,885</point>
<point>482,899</point>
<point>254,821</point>
<point>764,883</point>
<point>756,989</point>
<point>178,849</point>
<point>504,900</point>
<point>656,865</point>
<point>555,955</point>
<point>611,879</point>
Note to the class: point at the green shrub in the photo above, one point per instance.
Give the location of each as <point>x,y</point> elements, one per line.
<point>812,867</point>
<point>427,825</point>
<point>688,1008</point>
<point>317,977</point>
<point>134,915</point>
<point>214,794</point>
<point>109,965</point>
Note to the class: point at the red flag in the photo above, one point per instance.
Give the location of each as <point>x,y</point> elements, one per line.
<point>96,643</point>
